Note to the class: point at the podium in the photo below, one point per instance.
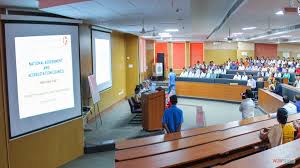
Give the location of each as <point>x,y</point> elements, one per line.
<point>153,106</point>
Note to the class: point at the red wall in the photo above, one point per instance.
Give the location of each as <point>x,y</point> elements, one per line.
<point>265,50</point>
<point>196,52</point>
<point>178,55</point>
<point>162,47</point>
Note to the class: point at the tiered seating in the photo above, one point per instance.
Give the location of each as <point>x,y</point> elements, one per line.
<point>201,147</point>
<point>207,149</point>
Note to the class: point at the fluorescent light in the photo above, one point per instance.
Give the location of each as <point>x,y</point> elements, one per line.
<point>147,36</point>
<point>248,28</point>
<point>279,13</point>
<point>285,36</point>
<point>171,30</point>
<point>164,34</point>
<point>237,34</point>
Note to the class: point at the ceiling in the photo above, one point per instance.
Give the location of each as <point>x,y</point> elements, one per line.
<point>195,19</point>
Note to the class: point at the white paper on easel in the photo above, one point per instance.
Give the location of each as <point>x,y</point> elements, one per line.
<point>93,88</point>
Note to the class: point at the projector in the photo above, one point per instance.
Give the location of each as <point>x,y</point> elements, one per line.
<point>229,38</point>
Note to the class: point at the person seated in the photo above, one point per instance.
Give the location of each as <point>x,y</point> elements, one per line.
<point>137,94</point>
<point>198,72</point>
<point>267,73</point>
<point>291,69</point>
<point>277,74</point>
<point>213,75</point>
<point>260,78</point>
<point>223,70</point>
<point>280,133</point>
<point>241,67</point>
<point>297,82</point>
<point>297,69</point>
<point>245,77</point>
<point>237,76</point>
<point>260,73</point>
<point>173,117</point>
<point>203,74</point>
<point>251,82</point>
<point>255,68</point>
<point>208,74</point>
<point>286,75</point>
<point>247,106</point>
<point>277,88</point>
<point>279,69</point>
<point>184,73</point>
<point>288,105</point>
<point>198,65</point>
<point>297,103</point>
<point>191,74</point>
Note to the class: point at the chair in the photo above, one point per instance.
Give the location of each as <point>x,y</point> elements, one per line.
<point>135,103</point>
<point>132,108</point>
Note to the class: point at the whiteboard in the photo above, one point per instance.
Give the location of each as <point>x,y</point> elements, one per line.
<point>93,88</point>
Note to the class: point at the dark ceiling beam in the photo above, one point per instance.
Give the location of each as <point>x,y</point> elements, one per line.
<point>235,6</point>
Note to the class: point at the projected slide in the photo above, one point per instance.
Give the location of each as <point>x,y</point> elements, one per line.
<point>102,59</point>
<point>44,74</point>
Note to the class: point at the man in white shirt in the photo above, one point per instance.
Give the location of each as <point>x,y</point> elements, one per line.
<point>241,67</point>
<point>247,106</point>
<point>277,74</point>
<point>203,74</point>
<point>245,77</point>
<point>184,73</point>
<point>251,82</point>
<point>289,106</point>
<point>237,76</point>
<point>297,82</point>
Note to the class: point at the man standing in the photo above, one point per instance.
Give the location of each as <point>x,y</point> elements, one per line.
<point>172,79</point>
<point>247,106</point>
<point>251,82</point>
<point>173,118</point>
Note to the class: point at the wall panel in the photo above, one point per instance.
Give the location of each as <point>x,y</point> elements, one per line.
<point>179,55</point>
<point>196,53</point>
<point>265,50</point>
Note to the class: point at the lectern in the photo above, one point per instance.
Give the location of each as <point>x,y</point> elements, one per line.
<point>153,106</point>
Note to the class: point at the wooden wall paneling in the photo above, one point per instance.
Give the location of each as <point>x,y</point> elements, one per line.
<point>269,101</point>
<point>3,126</point>
<point>210,91</point>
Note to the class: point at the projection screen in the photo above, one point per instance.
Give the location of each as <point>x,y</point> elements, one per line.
<point>43,75</point>
<point>101,43</point>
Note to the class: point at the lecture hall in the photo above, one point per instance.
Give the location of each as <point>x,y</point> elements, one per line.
<point>149,84</point>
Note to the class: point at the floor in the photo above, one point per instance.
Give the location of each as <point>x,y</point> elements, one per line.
<point>197,113</point>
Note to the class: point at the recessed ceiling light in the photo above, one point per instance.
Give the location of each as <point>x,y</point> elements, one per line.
<point>279,13</point>
<point>164,34</point>
<point>171,30</point>
<point>248,28</point>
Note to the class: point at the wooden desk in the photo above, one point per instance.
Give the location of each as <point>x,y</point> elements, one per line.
<point>269,101</point>
<point>270,158</point>
<point>210,90</point>
<point>153,106</point>
<point>187,133</point>
<point>179,144</point>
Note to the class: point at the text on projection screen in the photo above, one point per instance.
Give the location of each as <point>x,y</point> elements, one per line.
<point>44,74</point>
